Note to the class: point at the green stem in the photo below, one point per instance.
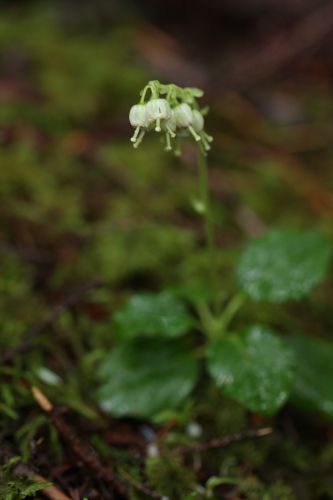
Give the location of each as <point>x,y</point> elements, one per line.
<point>154,93</point>
<point>214,325</point>
<point>231,309</point>
<point>208,220</point>
<point>143,94</point>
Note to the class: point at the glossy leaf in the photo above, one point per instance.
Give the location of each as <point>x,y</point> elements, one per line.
<point>146,377</point>
<point>146,315</point>
<point>284,265</point>
<point>313,387</point>
<point>254,367</point>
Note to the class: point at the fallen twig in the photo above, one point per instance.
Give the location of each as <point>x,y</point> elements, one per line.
<point>224,441</point>
<point>20,469</point>
<point>52,491</point>
<point>82,450</point>
<point>85,452</point>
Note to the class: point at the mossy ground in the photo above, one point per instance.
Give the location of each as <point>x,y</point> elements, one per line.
<point>78,205</point>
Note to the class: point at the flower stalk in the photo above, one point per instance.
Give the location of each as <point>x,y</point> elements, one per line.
<point>174,112</point>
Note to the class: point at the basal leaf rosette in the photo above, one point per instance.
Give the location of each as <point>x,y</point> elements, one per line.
<point>146,377</point>
<point>159,315</point>
<point>254,367</point>
<point>284,264</point>
<point>313,387</point>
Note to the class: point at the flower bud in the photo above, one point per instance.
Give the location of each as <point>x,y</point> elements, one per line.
<point>184,115</point>
<point>138,115</point>
<point>198,121</point>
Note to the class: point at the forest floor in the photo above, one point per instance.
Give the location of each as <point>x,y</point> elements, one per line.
<point>85,220</point>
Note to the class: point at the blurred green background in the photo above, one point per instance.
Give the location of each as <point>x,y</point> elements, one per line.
<point>78,204</point>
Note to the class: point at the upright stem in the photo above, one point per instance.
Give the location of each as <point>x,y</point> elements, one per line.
<point>230,310</point>
<point>208,219</point>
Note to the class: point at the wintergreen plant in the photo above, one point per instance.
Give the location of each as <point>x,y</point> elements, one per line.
<point>155,365</point>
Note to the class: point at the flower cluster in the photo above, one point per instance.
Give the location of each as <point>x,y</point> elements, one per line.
<point>171,110</point>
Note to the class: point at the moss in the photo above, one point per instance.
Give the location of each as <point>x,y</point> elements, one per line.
<point>169,477</point>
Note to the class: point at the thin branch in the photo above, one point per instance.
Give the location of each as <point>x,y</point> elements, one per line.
<point>82,450</point>
<point>85,452</point>
<point>52,492</point>
<point>20,469</point>
<point>225,441</point>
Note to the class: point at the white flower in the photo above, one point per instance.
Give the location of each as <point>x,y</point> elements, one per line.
<point>198,121</point>
<point>171,109</point>
<point>138,118</point>
<point>198,126</point>
<point>185,118</point>
<point>157,110</point>
<point>184,115</point>
<point>138,115</point>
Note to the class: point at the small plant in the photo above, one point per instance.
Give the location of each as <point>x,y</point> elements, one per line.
<point>18,488</point>
<point>156,362</point>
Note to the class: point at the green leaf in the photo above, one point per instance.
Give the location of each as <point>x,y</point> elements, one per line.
<point>195,92</point>
<point>254,367</point>
<point>146,377</point>
<point>313,387</point>
<point>284,264</point>
<point>147,315</point>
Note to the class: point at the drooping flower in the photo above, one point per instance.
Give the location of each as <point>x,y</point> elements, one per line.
<point>198,121</point>
<point>198,125</point>
<point>173,110</point>
<point>184,118</point>
<point>139,119</point>
<point>157,111</point>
